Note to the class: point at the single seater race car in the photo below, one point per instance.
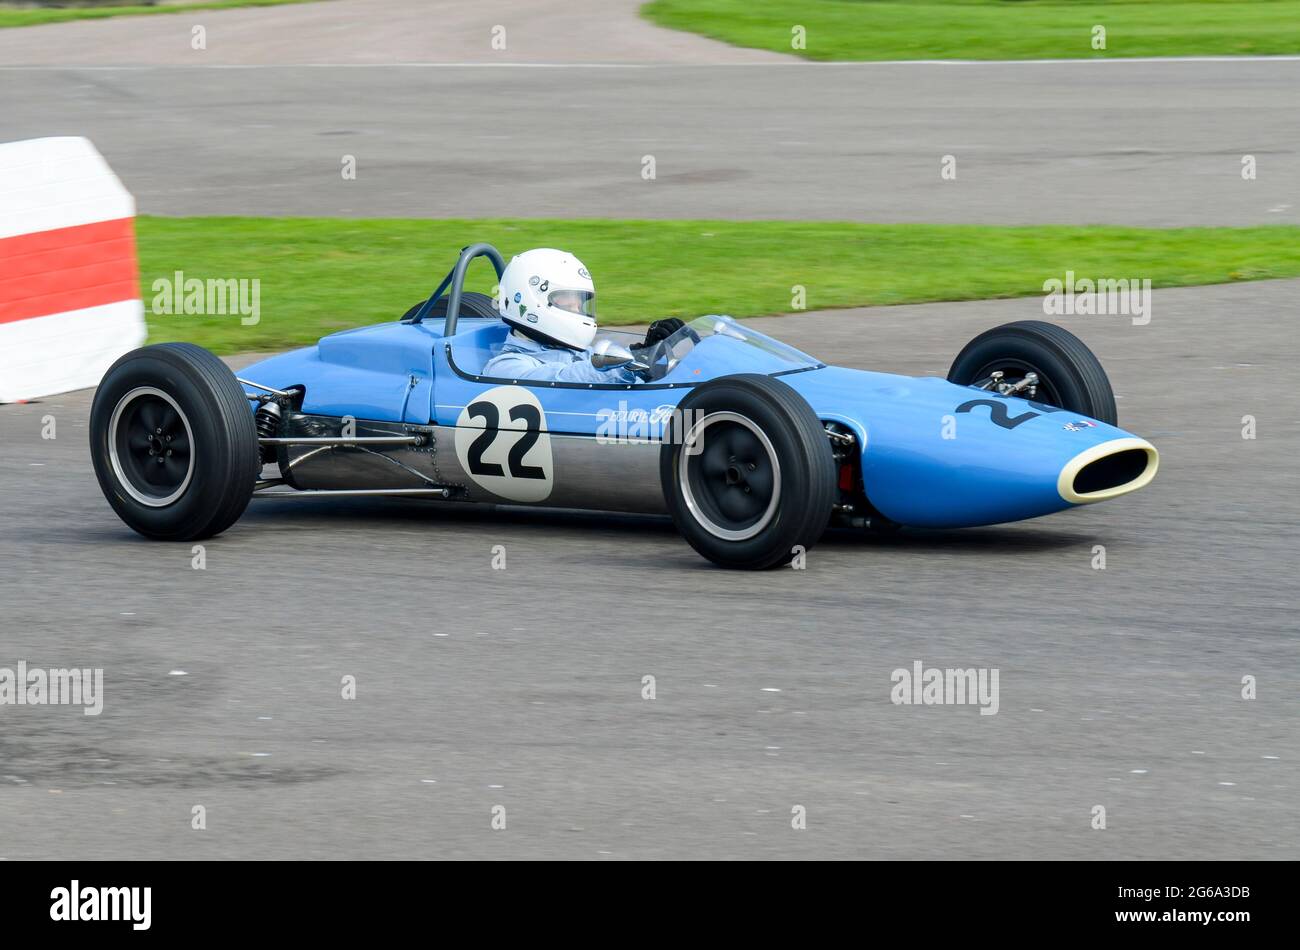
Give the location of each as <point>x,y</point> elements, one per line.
<point>752,447</point>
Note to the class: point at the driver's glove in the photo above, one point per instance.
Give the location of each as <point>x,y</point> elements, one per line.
<point>661,330</point>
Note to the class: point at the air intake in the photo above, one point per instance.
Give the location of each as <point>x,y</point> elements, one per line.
<point>1108,470</point>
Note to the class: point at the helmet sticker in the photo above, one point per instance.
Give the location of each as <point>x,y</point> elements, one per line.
<point>534,281</point>
<point>522,308</point>
<point>582,272</point>
<point>518,296</point>
<point>532,318</point>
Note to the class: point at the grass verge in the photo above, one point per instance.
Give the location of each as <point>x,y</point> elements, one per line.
<point>992,29</point>
<point>318,275</point>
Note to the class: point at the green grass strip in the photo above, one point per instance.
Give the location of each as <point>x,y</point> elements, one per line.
<point>318,275</point>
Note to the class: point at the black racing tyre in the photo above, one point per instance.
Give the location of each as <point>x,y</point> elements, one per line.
<point>1069,375</point>
<point>763,479</point>
<point>471,305</point>
<point>173,442</point>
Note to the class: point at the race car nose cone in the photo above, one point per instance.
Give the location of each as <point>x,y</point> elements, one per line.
<point>1108,470</point>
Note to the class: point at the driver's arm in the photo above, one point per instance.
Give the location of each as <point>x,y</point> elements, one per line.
<point>525,366</point>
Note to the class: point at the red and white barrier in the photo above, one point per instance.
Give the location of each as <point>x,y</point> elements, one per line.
<point>69,281</point>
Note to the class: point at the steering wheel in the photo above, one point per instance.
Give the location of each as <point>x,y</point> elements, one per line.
<point>660,358</point>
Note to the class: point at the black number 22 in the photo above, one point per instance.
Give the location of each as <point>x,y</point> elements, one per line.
<point>489,413</point>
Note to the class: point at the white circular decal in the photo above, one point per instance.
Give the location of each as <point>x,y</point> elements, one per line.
<point>503,445</point>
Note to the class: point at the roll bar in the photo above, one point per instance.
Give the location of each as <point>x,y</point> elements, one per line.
<point>456,279</point>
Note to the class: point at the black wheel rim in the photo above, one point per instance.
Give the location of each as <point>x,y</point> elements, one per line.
<point>151,447</point>
<point>731,479</point>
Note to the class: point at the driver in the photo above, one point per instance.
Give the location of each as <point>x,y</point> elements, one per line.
<point>549,302</point>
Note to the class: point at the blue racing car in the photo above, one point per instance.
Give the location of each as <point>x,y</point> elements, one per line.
<point>754,448</point>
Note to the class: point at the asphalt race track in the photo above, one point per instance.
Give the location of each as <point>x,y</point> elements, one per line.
<point>1153,144</point>
<point>522,688</point>
<point>355,32</point>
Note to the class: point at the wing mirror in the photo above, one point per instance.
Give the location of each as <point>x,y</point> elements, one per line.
<point>607,354</point>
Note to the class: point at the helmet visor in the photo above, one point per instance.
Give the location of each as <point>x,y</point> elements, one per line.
<point>582,302</point>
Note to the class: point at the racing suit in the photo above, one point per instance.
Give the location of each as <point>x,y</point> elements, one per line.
<point>524,358</point>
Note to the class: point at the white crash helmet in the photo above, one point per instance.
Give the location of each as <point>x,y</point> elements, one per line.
<point>548,294</point>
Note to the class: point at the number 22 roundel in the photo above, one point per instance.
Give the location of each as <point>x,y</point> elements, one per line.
<point>503,445</point>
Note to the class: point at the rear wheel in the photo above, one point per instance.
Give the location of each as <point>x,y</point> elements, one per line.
<point>173,442</point>
<point>748,473</point>
<point>1069,375</point>
<point>471,305</point>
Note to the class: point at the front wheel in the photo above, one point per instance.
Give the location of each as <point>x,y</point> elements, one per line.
<point>1068,374</point>
<point>748,472</point>
<point>173,442</point>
